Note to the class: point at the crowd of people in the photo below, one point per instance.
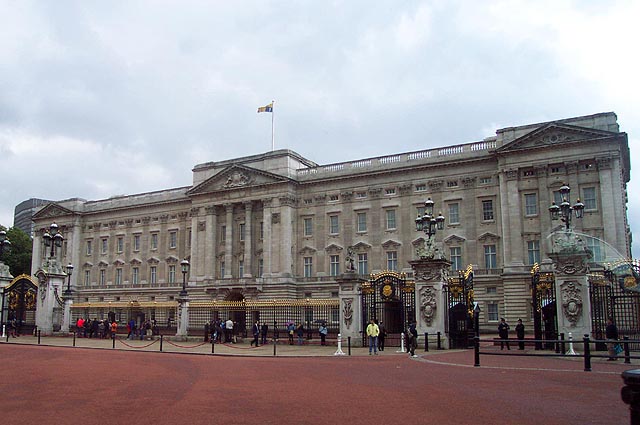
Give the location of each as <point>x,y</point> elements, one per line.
<point>104,328</point>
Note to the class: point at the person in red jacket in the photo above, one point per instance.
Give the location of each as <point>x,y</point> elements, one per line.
<point>80,327</point>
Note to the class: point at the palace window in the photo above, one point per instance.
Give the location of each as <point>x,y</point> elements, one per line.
<point>154,241</point>
<point>308,266</point>
<point>454,213</point>
<point>89,248</point>
<point>589,198</point>
<point>172,273</point>
<point>119,276</point>
<point>136,242</point>
<point>490,261</point>
<point>308,226</point>
<point>530,204</point>
<point>173,239</point>
<point>455,256</point>
<point>135,275</point>
<point>120,244</point>
<point>487,210</point>
<point>533,252</point>
<point>363,265</point>
<point>334,265</point>
<point>153,272</point>
<point>334,229</point>
<point>391,219</point>
<point>392,260</point>
<point>361,219</point>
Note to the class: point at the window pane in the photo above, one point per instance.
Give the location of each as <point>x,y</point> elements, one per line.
<point>487,210</point>
<point>490,257</point>
<point>533,251</point>
<point>392,260</point>
<point>308,226</point>
<point>454,213</point>
<point>334,268</point>
<point>362,222</point>
<point>531,204</point>
<point>589,198</point>
<point>455,256</point>
<point>362,264</point>
<point>391,219</point>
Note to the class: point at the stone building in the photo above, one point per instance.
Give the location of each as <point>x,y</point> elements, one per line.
<point>277,225</point>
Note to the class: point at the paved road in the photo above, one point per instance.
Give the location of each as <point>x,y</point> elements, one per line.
<point>54,384</point>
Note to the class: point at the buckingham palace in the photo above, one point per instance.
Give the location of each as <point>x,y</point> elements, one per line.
<point>280,226</point>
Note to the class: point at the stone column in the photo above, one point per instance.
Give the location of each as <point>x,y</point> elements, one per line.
<point>286,236</point>
<point>183,318</point>
<point>267,244</point>
<point>572,290</point>
<point>431,301</point>
<point>228,246</point>
<point>350,308</point>
<point>210,245</point>
<point>51,281</point>
<point>248,208</point>
<point>193,254</point>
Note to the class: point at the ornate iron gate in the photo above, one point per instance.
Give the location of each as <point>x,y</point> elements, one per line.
<point>19,303</point>
<point>545,316</point>
<point>390,299</point>
<point>616,296</point>
<point>460,309</point>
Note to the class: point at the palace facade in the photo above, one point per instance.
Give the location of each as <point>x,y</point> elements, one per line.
<point>278,226</point>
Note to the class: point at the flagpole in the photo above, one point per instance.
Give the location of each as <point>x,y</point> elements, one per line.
<point>273,146</point>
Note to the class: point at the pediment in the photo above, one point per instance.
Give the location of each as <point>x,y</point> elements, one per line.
<point>119,262</point>
<point>103,264</point>
<point>153,260</point>
<point>391,244</point>
<point>333,248</point>
<point>237,177</point>
<point>361,246</point>
<point>307,250</point>
<point>172,259</point>
<point>454,240</point>
<point>52,210</point>
<point>418,242</point>
<point>135,261</point>
<point>488,237</point>
<point>555,134</point>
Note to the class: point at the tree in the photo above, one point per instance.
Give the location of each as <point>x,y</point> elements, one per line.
<point>19,256</point>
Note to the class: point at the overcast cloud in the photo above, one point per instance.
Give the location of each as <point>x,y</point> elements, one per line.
<point>107,98</point>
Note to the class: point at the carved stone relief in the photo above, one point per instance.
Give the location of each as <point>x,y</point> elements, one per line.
<point>428,304</point>
<point>571,302</point>
<point>347,311</point>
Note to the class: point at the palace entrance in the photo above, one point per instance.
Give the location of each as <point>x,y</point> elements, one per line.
<point>19,304</point>
<point>389,299</point>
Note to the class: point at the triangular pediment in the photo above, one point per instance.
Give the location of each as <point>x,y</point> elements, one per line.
<point>308,250</point>
<point>488,237</point>
<point>555,134</point>
<point>391,244</point>
<point>237,177</point>
<point>361,246</point>
<point>454,240</point>
<point>333,248</point>
<point>52,210</point>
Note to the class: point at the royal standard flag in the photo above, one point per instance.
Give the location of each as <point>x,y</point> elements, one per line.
<point>267,108</point>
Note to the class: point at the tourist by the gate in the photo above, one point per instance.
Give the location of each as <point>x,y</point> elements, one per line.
<point>300,333</point>
<point>372,332</point>
<point>611,333</point>
<point>264,329</point>
<point>381,336</point>
<point>323,331</point>
<point>503,333</point>
<point>255,331</point>
<point>520,334</point>
<point>412,339</point>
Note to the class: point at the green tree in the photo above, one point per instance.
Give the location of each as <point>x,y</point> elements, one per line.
<point>19,256</point>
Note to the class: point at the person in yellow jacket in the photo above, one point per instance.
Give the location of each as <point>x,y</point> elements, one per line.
<point>372,332</point>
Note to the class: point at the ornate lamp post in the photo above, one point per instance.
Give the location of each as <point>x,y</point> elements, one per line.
<point>429,223</point>
<point>53,238</point>
<point>67,292</point>
<point>563,212</point>
<point>185,270</point>
<point>5,244</point>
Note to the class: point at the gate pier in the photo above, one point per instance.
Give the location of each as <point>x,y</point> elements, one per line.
<point>430,281</point>
<point>50,282</point>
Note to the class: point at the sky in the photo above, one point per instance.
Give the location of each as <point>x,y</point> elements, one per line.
<point>99,99</point>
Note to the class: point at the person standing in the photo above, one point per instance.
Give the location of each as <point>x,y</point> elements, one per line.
<point>300,333</point>
<point>382,336</point>
<point>207,331</point>
<point>228,330</point>
<point>503,333</point>
<point>372,332</point>
<point>264,329</point>
<point>255,331</point>
<point>323,331</point>
<point>290,329</point>
<point>412,343</point>
<point>520,334</point>
<point>611,333</point>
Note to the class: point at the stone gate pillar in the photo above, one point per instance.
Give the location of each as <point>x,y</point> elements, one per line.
<point>430,298</point>
<point>66,316</point>
<point>350,308</point>
<point>50,283</point>
<point>572,292</point>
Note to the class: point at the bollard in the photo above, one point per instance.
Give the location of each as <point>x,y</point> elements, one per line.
<point>401,350</point>
<point>38,337</point>
<point>426,341</point>
<point>213,346</point>
<point>339,351</point>
<point>161,339</point>
<point>275,342</point>
<point>587,354</point>
<point>630,394</point>
<point>570,351</point>
<point>349,344</point>
<point>561,344</point>
<point>4,329</point>
<point>476,351</point>
<point>627,355</point>
<point>74,338</point>
<point>439,342</point>
<point>113,340</point>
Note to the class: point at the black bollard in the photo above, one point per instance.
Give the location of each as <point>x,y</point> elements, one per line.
<point>161,336</point>
<point>213,346</point>
<point>439,342</point>
<point>476,351</point>
<point>627,355</point>
<point>113,340</point>
<point>38,337</point>
<point>426,341</point>
<point>349,344</point>
<point>275,342</point>
<point>74,338</point>
<point>587,354</point>
<point>562,350</point>
<point>630,394</point>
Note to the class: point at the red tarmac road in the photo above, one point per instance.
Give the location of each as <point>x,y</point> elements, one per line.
<point>54,385</point>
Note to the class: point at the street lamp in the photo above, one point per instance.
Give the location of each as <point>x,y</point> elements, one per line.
<point>53,239</point>
<point>563,211</point>
<point>185,270</point>
<point>67,292</point>
<point>4,243</point>
<point>429,223</point>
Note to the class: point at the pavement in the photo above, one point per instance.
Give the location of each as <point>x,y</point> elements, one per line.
<point>92,383</point>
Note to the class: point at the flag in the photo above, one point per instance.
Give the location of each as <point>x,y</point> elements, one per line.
<point>267,108</point>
